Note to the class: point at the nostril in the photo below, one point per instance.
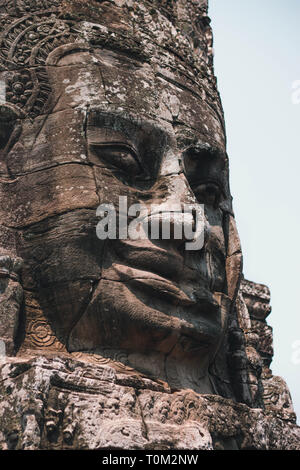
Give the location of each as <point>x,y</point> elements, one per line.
<point>177,226</point>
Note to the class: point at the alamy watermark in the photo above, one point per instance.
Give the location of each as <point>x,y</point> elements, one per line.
<point>2,92</point>
<point>167,221</point>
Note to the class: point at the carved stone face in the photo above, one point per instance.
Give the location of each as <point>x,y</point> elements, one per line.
<point>117,129</point>
<point>99,117</point>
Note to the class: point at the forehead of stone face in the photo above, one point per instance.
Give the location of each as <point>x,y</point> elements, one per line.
<point>84,79</point>
<point>113,81</point>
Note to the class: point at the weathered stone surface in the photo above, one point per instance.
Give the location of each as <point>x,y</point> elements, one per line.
<point>124,343</point>
<point>64,403</point>
<point>11,297</point>
<point>257,298</point>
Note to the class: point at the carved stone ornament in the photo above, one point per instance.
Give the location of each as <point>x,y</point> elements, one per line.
<point>123,343</point>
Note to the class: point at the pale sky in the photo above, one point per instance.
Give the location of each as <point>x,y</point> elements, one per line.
<point>257,62</point>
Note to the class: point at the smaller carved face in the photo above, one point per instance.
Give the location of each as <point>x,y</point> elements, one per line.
<point>113,404</point>
<point>128,401</point>
<point>178,411</point>
<point>162,410</point>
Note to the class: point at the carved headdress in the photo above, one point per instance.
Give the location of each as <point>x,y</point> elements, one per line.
<point>30,30</point>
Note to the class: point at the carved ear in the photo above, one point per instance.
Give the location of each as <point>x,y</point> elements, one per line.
<point>10,131</point>
<point>234,261</point>
<point>10,127</point>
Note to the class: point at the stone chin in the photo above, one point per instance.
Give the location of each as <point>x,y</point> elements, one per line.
<point>117,317</point>
<point>142,312</point>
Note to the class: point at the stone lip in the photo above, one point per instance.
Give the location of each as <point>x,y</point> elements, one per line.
<point>62,403</point>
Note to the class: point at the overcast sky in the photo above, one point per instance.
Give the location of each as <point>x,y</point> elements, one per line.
<point>257,63</point>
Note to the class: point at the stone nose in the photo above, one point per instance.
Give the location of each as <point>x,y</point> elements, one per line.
<point>176,215</point>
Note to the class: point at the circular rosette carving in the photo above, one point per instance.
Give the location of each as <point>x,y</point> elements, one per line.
<point>19,88</point>
<point>17,7</point>
<point>118,358</point>
<point>98,359</point>
<point>121,358</point>
<point>25,45</point>
<point>40,333</point>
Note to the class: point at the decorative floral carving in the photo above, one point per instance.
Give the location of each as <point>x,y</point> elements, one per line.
<point>40,333</point>
<point>25,45</point>
<point>19,88</point>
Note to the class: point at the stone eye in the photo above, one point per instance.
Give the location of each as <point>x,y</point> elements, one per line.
<point>121,157</point>
<point>204,168</point>
<point>208,193</point>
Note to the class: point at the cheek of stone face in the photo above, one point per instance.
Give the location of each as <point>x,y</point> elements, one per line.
<point>63,257</point>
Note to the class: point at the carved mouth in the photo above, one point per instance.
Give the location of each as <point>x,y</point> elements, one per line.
<point>146,257</point>
<point>151,311</point>
<point>160,288</point>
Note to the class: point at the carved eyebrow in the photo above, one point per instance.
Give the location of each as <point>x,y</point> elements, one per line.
<point>200,149</point>
<point>205,154</point>
<point>99,134</point>
<point>125,124</point>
